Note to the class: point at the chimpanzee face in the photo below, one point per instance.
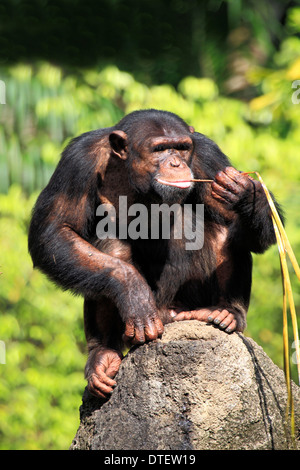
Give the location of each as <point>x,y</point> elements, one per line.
<point>160,161</point>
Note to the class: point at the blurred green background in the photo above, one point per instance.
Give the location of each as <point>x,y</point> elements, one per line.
<point>67,67</point>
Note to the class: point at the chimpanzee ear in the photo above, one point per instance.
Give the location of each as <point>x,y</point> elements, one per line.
<point>118,142</point>
<point>191,129</point>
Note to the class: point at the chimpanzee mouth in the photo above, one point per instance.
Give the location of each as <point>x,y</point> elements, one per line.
<point>172,191</point>
<point>182,184</point>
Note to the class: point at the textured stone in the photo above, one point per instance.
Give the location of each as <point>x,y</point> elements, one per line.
<point>196,388</point>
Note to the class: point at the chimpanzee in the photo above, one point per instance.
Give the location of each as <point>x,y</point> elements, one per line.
<point>133,286</point>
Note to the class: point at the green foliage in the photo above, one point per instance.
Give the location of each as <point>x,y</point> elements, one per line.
<point>42,382</point>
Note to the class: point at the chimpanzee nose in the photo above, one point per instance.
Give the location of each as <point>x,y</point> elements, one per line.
<point>175,162</point>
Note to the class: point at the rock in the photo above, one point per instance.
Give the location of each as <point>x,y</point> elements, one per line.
<point>196,388</point>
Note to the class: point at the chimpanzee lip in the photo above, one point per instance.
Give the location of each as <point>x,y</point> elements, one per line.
<point>177,184</point>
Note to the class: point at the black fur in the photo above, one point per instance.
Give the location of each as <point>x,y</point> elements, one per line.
<point>159,273</point>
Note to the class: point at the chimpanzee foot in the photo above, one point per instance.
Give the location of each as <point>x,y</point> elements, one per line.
<point>222,318</point>
<point>101,368</point>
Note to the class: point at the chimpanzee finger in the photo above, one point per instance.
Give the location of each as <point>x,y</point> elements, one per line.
<point>231,327</point>
<point>228,323</point>
<point>223,180</point>
<point>200,315</point>
<point>96,392</point>
<point>101,385</point>
<point>223,193</point>
<point>128,333</point>
<point>139,335</point>
<point>238,177</point>
<point>111,371</point>
<point>223,319</point>
<point>151,332</point>
<point>219,198</point>
<point>185,315</point>
<point>213,315</point>
<point>104,374</point>
<point>159,326</point>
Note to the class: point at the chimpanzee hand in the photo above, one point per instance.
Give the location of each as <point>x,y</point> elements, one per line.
<point>138,330</point>
<point>101,367</point>
<point>231,187</point>
<point>137,308</point>
<point>142,322</point>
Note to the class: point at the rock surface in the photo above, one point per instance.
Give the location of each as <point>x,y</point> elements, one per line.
<point>196,388</point>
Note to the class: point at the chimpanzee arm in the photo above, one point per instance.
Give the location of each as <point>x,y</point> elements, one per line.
<point>60,242</point>
<point>253,228</point>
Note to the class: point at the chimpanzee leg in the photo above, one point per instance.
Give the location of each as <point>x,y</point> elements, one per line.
<point>103,330</point>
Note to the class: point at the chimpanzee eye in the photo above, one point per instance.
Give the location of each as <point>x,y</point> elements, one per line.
<point>159,148</point>
<point>183,147</point>
<point>180,147</point>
